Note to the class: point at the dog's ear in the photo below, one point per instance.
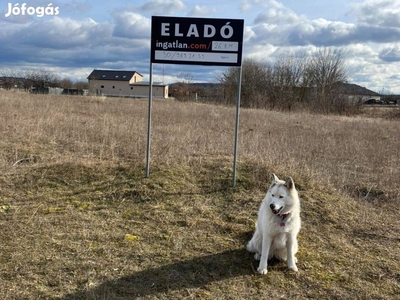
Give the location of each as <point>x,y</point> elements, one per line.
<point>289,183</point>
<point>275,179</point>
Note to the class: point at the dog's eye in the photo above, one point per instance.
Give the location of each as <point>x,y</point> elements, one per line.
<point>272,195</point>
<point>281,196</point>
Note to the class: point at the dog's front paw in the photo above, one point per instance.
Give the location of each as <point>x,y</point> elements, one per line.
<point>257,256</point>
<point>293,268</point>
<point>262,271</point>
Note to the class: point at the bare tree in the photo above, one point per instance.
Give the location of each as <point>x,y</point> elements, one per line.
<point>253,88</point>
<point>65,83</point>
<point>325,68</point>
<point>82,85</point>
<point>183,88</point>
<point>185,77</point>
<point>229,80</point>
<point>291,80</point>
<point>41,78</point>
<point>285,81</point>
<point>254,76</point>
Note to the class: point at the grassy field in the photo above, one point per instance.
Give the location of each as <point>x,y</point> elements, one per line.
<point>79,220</point>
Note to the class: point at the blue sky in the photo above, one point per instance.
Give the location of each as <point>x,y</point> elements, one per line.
<point>87,35</point>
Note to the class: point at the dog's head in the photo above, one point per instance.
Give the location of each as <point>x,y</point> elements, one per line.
<point>281,195</point>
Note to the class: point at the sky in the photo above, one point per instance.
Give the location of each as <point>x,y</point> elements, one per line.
<point>71,38</point>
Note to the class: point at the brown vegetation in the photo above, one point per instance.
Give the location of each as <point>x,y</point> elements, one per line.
<point>80,221</point>
<point>309,83</point>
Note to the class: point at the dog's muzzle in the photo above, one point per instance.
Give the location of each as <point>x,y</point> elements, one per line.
<point>275,209</point>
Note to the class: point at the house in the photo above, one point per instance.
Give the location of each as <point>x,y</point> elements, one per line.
<point>141,89</point>
<point>123,84</point>
<point>356,93</point>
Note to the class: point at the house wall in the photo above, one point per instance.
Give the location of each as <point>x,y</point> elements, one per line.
<point>362,98</point>
<point>125,89</point>
<point>135,78</point>
<point>110,87</point>
<point>159,91</point>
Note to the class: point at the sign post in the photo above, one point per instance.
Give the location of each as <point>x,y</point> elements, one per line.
<point>149,122</point>
<point>237,127</point>
<point>196,41</point>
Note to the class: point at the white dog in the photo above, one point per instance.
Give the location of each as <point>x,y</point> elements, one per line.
<point>278,224</point>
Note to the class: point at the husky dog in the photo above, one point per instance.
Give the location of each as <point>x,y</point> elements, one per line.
<point>278,224</point>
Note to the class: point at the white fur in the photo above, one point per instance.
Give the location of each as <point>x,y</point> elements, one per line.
<point>272,238</point>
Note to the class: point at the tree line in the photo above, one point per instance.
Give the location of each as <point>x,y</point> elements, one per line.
<point>314,82</point>
<point>27,79</point>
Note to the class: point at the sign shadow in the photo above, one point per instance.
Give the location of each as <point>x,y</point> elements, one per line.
<point>193,273</point>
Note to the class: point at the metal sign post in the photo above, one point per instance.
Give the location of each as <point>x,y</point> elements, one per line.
<point>149,121</point>
<point>237,126</point>
<point>196,41</point>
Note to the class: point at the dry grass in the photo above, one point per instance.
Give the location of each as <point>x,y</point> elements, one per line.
<point>389,112</point>
<point>80,221</point>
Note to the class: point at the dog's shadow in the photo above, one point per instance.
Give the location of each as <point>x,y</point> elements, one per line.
<point>193,273</point>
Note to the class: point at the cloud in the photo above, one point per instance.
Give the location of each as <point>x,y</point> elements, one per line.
<point>85,43</point>
<point>381,13</point>
<point>76,6</point>
<point>47,34</point>
<point>277,16</point>
<point>165,7</point>
<point>131,25</point>
<point>390,54</point>
<point>247,5</point>
<point>202,11</point>
<point>317,32</point>
<point>53,34</point>
<point>282,27</point>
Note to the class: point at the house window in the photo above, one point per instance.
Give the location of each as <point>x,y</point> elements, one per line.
<point>124,76</point>
<point>103,76</point>
<point>116,76</point>
<point>102,86</point>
